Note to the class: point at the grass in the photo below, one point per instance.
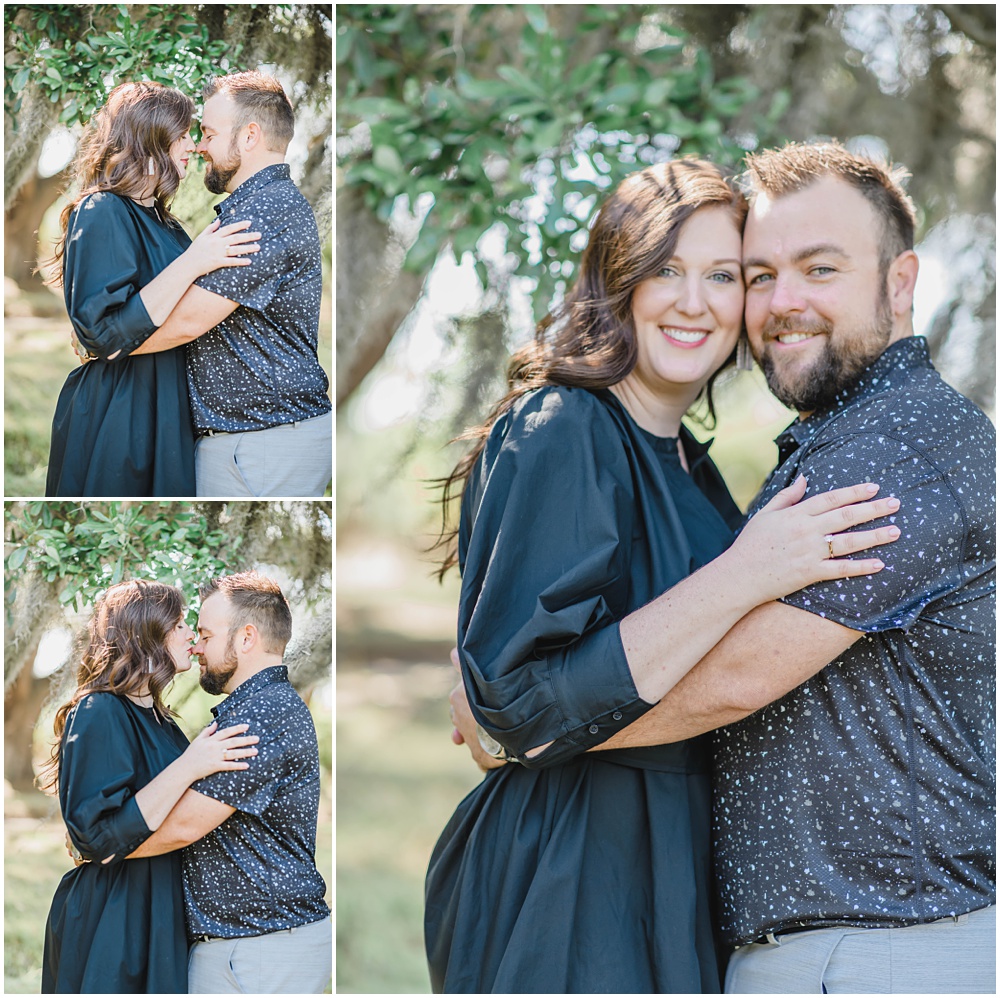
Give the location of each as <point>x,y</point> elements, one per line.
<point>37,361</point>
<point>399,778</point>
<point>35,860</point>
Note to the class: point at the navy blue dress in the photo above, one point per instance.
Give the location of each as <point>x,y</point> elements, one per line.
<point>580,872</point>
<point>122,427</point>
<point>115,928</point>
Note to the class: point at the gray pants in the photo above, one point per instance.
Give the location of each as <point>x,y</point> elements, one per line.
<point>291,460</point>
<point>291,962</point>
<point>949,956</point>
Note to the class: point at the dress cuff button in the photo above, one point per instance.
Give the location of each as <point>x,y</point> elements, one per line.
<point>617,715</point>
<point>594,729</point>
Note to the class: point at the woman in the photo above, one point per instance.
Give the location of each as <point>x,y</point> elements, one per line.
<point>116,926</point>
<point>584,500</point>
<point>122,425</point>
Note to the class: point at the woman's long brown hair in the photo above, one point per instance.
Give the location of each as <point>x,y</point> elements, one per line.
<point>126,653</point>
<point>589,340</point>
<point>138,121</point>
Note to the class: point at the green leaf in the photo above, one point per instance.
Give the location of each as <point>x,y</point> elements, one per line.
<point>535,13</point>
<point>22,77</point>
<point>53,73</point>
<point>16,558</point>
<point>387,158</point>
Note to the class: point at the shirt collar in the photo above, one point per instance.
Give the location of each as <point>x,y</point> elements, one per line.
<point>277,171</point>
<point>246,689</point>
<point>890,368</point>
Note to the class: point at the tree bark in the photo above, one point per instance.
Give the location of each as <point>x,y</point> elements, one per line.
<point>22,703</point>
<point>374,293</point>
<point>21,222</point>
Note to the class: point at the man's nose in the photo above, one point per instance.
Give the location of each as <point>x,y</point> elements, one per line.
<point>786,297</point>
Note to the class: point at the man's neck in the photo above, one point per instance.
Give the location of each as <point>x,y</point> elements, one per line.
<point>248,170</point>
<point>247,670</point>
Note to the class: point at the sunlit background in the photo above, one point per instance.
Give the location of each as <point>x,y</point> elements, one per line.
<point>464,143</point>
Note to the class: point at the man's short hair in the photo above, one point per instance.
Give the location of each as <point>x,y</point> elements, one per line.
<point>777,172</point>
<point>255,600</point>
<point>257,98</point>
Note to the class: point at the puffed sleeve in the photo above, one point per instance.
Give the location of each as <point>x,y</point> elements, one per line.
<point>545,578</point>
<point>97,780</point>
<point>101,277</point>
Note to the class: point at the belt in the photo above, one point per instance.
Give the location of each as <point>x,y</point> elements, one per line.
<point>774,938</point>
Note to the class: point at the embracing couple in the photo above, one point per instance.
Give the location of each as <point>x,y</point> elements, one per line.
<point>241,909</point>
<point>200,372</point>
<point>774,752</point>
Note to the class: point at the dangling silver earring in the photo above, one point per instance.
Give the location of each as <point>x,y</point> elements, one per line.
<point>149,665</point>
<point>152,166</point>
<point>744,358</point>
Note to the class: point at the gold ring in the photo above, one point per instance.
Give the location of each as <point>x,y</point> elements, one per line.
<point>829,544</point>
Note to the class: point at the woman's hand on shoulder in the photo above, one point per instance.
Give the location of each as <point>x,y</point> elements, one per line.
<point>793,542</point>
<point>223,246</point>
<point>214,751</point>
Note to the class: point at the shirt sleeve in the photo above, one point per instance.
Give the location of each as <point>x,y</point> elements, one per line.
<point>97,779</point>
<point>252,790</point>
<point>256,285</point>
<point>546,580</point>
<point>101,278</point>
<point>923,565</point>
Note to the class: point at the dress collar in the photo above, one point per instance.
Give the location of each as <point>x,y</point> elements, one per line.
<point>277,171</point>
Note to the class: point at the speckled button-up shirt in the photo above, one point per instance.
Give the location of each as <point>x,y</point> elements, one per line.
<point>866,796</point>
<point>256,873</point>
<point>258,367</point>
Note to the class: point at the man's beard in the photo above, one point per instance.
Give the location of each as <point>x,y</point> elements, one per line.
<point>218,177</point>
<point>844,358</point>
<point>214,681</point>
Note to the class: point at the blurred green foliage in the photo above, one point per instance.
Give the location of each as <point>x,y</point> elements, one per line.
<point>95,545</point>
<point>72,53</point>
<point>521,129</point>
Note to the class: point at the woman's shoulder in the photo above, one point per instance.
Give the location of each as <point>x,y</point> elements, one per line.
<point>557,429</point>
<point>555,410</point>
<point>97,705</point>
<point>100,209</point>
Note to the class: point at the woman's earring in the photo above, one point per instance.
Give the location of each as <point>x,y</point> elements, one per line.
<point>152,166</point>
<point>744,358</point>
<point>149,665</point>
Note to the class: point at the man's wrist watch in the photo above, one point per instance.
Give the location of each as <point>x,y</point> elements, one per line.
<point>491,746</point>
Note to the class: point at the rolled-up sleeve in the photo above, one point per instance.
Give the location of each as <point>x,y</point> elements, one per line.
<point>97,780</point>
<point>546,580</point>
<point>101,278</point>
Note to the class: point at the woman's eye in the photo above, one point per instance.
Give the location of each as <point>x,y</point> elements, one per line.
<point>723,277</point>
<point>667,272</point>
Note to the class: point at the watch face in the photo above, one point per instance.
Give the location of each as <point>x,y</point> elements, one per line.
<point>488,743</point>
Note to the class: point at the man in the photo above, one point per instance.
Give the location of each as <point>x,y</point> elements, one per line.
<point>853,815</point>
<point>258,393</point>
<point>254,899</point>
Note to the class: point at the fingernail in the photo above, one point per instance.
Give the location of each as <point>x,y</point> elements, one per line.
<point>871,489</point>
<point>892,503</point>
<point>879,565</point>
<point>894,531</point>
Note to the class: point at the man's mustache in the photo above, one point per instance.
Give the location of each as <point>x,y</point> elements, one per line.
<point>777,325</point>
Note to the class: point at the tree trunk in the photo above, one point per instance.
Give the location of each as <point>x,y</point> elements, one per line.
<point>21,706</point>
<point>20,234</point>
<point>374,293</point>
